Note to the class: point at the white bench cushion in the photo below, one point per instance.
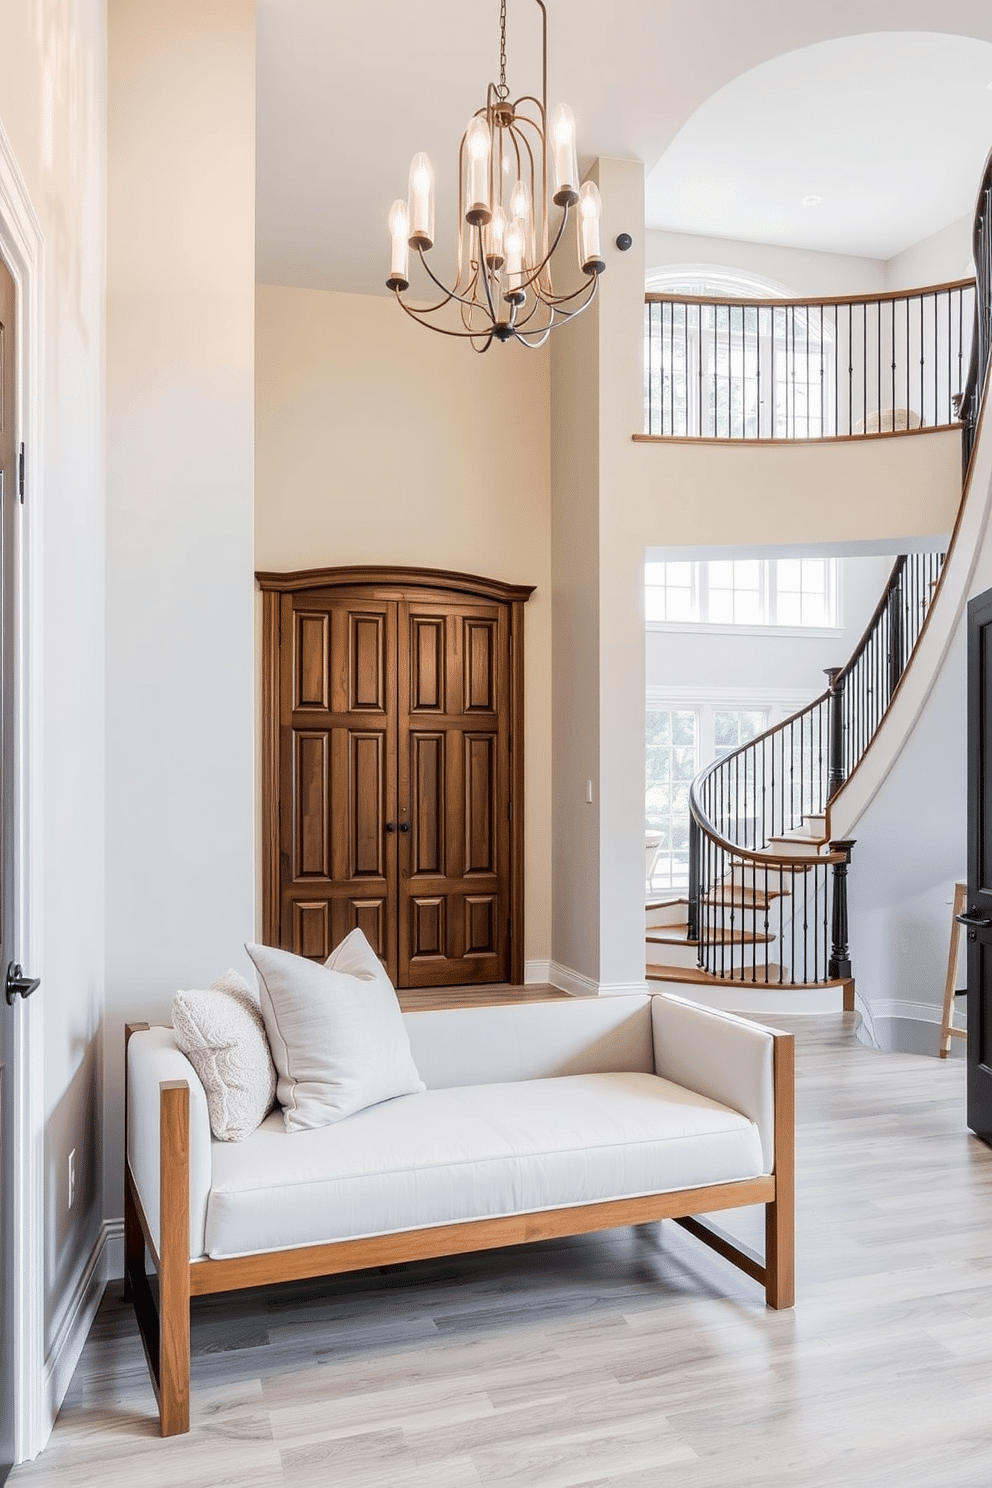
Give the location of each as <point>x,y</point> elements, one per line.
<point>472,1152</point>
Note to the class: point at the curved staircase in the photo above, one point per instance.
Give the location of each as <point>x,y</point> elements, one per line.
<point>767,898</point>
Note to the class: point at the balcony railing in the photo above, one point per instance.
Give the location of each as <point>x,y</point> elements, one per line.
<point>806,369</point>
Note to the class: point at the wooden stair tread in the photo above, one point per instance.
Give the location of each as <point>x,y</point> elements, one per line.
<point>738,896</point>
<point>664,903</point>
<point>679,935</point>
<point>813,838</point>
<point>697,975</point>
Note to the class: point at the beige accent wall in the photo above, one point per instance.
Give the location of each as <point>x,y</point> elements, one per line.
<point>378,441</point>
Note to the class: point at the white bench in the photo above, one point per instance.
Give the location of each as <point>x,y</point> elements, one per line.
<point>539,1119</point>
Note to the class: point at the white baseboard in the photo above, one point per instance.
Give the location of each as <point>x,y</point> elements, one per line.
<point>105,1260</point>
<point>537,972</point>
<point>573,982</point>
<point>897,1007</point>
<point>113,1250</point>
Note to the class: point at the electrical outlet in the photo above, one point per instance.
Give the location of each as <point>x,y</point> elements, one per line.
<point>72,1177</point>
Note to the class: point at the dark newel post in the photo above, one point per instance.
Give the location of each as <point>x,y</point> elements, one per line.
<point>835,745</point>
<point>895,634</point>
<point>840,954</point>
<point>693,929</point>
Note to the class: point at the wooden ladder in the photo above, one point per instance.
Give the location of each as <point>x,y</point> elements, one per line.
<point>947,1029</point>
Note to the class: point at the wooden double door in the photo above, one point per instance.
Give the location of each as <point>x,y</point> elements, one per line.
<point>393,770</point>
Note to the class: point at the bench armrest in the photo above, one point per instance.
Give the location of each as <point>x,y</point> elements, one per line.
<point>153,1058</point>
<point>725,1058</point>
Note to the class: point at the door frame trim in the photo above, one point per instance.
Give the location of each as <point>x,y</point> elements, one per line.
<point>22,245</point>
<point>395,581</point>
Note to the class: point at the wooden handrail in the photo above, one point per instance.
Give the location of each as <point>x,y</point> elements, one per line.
<point>658,297</point>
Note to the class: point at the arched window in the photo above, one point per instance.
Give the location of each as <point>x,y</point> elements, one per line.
<point>752,370</point>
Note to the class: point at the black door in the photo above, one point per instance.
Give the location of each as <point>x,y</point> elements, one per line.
<point>978,913</point>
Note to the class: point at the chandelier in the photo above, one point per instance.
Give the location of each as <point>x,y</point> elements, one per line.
<point>506,239</point>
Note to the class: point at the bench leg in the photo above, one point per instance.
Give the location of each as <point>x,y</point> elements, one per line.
<point>173,1278</point>
<point>780,1214</point>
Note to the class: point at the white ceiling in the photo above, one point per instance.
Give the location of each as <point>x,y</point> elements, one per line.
<point>890,131</point>
<point>737,111</point>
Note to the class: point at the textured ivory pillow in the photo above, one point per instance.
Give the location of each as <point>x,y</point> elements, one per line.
<point>336,1032</point>
<point>221,1032</point>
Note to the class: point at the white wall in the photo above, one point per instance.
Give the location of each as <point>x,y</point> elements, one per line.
<point>180,366</point>
<point>944,256</point>
<point>795,271</point>
<point>380,442</point>
<point>52,115</point>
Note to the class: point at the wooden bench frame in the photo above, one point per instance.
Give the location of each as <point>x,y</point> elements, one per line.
<point>165,1329</point>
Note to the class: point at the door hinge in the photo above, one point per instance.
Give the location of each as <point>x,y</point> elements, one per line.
<point>509,809</point>
<point>20,474</point>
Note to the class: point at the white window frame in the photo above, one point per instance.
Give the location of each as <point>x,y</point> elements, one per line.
<point>769,581</point>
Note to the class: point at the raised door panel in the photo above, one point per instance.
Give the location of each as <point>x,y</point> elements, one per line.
<point>312,661</point>
<point>481,789</point>
<point>428,812</point>
<point>480,668</point>
<point>311,801</point>
<point>428,679</point>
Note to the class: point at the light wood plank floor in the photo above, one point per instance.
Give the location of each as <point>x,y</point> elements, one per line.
<point>635,1358</point>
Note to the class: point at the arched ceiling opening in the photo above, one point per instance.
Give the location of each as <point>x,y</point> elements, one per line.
<point>862,145</point>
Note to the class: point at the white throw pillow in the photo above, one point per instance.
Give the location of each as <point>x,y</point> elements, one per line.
<point>336,1032</point>
<point>222,1034</point>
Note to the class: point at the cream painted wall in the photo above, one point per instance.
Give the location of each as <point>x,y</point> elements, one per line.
<point>52,117</point>
<point>379,442</point>
<point>180,368</point>
<point>696,494</point>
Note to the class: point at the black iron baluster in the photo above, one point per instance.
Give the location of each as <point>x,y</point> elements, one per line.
<point>895,619</point>
<point>835,778</point>
<point>840,954</point>
<point>693,930</point>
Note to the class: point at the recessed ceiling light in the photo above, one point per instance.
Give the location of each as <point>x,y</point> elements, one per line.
<point>811,201</point>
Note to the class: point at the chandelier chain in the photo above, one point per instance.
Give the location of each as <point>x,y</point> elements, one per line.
<point>504,91</point>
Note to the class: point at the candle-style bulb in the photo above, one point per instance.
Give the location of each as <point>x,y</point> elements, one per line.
<point>420,202</point>
<point>565,159</point>
<point>590,213</point>
<point>478,145</point>
<point>493,239</point>
<point>399,231</point>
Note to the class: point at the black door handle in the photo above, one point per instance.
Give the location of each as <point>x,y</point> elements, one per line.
<point>974,919</point>
<point>19,985</point>
<point>390,826</point>
<point>404,826</point>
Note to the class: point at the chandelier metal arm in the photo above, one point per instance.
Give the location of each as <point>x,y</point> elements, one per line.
<point>450,293</point>
<point>442,330</point>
